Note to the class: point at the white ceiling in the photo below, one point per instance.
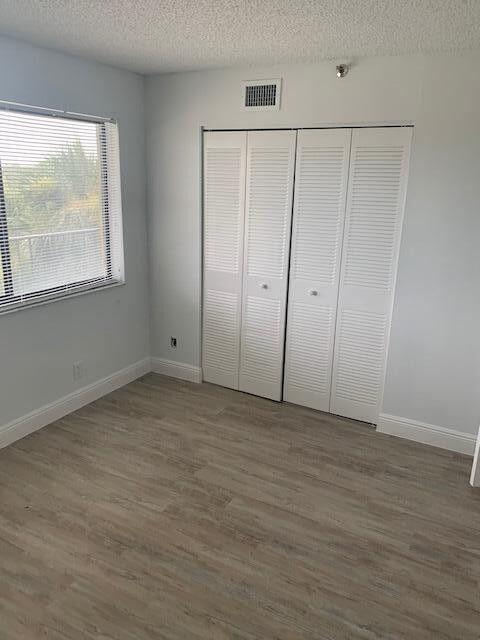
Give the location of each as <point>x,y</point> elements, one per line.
<point>152,36</point>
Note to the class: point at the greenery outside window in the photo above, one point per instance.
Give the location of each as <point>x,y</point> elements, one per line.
<point>60,207</point>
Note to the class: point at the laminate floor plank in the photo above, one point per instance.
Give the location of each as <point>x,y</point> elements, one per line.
<point>169,511</point>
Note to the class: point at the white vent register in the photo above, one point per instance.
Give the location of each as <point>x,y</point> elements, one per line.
<point>261,95</point>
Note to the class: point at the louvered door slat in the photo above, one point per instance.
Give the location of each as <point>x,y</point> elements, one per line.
<point>269,187</point>
<point>319,208</point>
<point>224,203</point>
<point>373,223</point>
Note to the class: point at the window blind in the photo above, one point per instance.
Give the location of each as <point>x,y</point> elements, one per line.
<point>60,207</point>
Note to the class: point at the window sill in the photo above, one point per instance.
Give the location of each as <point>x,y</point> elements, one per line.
<point>49,299</point>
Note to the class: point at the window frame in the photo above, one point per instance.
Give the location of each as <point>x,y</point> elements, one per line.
<point>9,301</point>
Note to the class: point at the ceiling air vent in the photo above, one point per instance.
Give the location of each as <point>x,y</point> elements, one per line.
<point>261,95</point>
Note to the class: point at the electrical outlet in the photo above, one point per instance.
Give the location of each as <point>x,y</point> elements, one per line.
<point>173,342</point>
<point>78,370</point>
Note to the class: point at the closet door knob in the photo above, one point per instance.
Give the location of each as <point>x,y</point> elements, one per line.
<point>264,285</point>
<point>313,292</point>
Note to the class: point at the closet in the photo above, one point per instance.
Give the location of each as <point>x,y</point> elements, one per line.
<point>301,241</point>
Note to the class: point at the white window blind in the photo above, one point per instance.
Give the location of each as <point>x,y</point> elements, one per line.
<point>60,207</point>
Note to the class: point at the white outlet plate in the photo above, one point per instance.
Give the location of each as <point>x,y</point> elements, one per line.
<point>78,370</point>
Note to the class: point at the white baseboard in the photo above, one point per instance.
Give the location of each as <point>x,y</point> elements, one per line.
<point>427,433</point>
<point>392,425</point>
<point>475,475</point>
<point>55,410</point>
<point>177,370</point>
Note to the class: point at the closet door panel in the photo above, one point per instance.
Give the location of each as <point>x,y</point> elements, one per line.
<point>318,217</point>
<point>223,207</point>
<point>269,188</point>
<point>373,224</point>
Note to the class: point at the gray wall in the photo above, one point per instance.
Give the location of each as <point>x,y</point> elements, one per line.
<point>108,329</point>
<point>433,372</point>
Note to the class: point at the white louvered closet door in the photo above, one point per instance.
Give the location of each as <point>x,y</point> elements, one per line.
<point>375,202</point>
<point>269,188</point>
<point>318,216</point>
<point>224,203</point>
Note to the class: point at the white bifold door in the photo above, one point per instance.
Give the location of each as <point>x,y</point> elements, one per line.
<point>248,188</point>
<point>350,190</point>
<point>373,225</point>
<point>268,215</point>
<point>224,159</point>
<point>346,187</point>
<point>319,211</point>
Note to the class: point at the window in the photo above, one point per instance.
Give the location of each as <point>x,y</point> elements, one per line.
<point>60,207</point>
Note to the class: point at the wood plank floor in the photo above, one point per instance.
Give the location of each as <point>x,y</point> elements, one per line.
<point>181,511</point>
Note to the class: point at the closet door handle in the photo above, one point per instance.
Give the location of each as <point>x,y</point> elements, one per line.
<point>313,292</point>
<point>264,285</point>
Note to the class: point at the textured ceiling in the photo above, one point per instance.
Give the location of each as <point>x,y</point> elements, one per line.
<point>170,35</point>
